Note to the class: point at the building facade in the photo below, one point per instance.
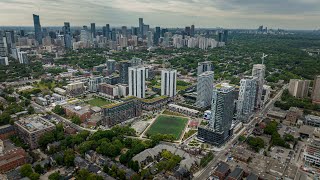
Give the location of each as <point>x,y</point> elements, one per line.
<point>204,66</point>
<point>299,88</point>
<point>246,99</point>
<point>121,112</point>
<point>205,89</point>
<point>31,128</point>
<point>168,82</point>
<point>137,81</point>
<point>316,90</point>
<point>124,69</point>
<point>258,71</point>
<point>219,129</point>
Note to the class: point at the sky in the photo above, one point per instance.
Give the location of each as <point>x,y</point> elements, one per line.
<point>248,14</point>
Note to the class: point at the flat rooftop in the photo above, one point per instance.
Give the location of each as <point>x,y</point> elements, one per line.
<point>34,123</point>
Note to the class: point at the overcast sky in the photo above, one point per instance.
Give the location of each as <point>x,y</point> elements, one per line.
<point>287,14</point>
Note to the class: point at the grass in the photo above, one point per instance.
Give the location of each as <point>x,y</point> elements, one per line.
<point>98,102</point>
<point>188,134</point>
<point>168,125</point>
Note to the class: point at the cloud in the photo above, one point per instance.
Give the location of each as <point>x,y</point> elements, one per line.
<point>170,13</point>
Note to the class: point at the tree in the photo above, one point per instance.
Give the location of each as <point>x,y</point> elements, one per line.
<point>26,170</point>
<point>68,157</point>
<point>82,174</point>
<point>76,120</point>
<point>255,143</point>
<point>38,169</point>
<point>31,110</point>
<point>34,176</point>
<point>242,138</point>
<point>58,110</point>
<point>55,176</point>
<point>45,139</point>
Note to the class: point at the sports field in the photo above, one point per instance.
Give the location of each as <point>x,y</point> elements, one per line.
<point>168,125</point>
<point>98,102</point>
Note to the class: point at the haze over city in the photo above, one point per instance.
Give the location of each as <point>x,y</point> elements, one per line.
<point>286,14</point>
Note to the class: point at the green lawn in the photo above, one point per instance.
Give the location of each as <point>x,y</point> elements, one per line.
<point>98,102</point>
<point>168,125</point>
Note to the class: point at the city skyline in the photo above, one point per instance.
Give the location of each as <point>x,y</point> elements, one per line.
<point>298,14</point>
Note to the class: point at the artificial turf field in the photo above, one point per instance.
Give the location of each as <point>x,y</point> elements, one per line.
<point>98,102</point>
<point>168,125</point>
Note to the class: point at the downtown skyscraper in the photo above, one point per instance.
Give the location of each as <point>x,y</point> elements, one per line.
<point>67,35</point>
<point>93,30</point>
<point>37,28</point>
<point>141,27</point>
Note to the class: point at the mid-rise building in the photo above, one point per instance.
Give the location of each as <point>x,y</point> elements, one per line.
<point>136,61</point>
<point>83,112</point>
<point>205,89</point>
<point>31,128</point>
<point>113,91</point>
<point>316,90</point>
<point>311,153</point>
<point>4,61</point>
<point>168,82</point>
<point>299,88</point>
<point>258,71</point>
<point>219,129</point>
<point>75,89</point>
<point>204,66</point>
<point>124,69</point>
<point>121,112</point>
<point>93,84</point>
<point>246,99</point>
<point>11,157</point>
<point>111,65</point>
<point>312,120</point>
<point>137,81</point>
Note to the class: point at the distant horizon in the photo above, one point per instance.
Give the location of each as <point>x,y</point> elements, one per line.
<point>230,14</point>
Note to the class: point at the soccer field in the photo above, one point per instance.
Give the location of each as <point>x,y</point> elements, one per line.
<point>168,125</point>
<point>98,102</point>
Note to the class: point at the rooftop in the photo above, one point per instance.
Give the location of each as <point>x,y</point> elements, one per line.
<point>223,167</point>
<point>77,109</point>
<point>236,173</point>
<point>34,123</point>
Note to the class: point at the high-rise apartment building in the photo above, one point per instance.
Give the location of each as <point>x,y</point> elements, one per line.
<point>316,90</point>
<point>3,50</point>
<point>124,68</point>
<point>124,31</point>
<point>246,99</point>
<point>168,82</point>
<point>204,66</point>
<point>137,81</point>
<point>205,89</point>
<point>299,88</point>
<point>259,72</point>
<point>219,129</point>
<point>23,58</point>
<point>149,39</point>
<point>37,28</point>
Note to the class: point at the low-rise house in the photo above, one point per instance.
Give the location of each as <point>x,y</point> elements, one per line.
<point>6,131</point>
<point>222,171</point>
<point>236,174</point>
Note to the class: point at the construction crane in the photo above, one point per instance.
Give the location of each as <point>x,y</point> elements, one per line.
<point>263,56</point>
